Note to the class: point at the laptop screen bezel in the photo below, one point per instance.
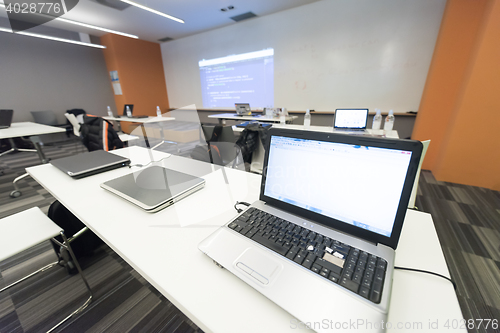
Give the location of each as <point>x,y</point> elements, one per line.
<point>408,145</point>
<point>131,106</point>
<point>356,128</point>
<point>6,117</point>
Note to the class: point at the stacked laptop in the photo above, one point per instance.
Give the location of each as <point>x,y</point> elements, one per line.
<point>320,241</point>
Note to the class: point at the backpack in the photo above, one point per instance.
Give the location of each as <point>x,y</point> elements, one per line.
<point>83,245</point>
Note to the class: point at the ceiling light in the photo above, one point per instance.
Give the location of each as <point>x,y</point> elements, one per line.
<point>86,25</point>
<point>54,38</point>
<point>152,10</point>
<point>97,28</point>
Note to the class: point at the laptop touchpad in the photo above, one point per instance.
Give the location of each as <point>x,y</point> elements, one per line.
<point>260,266</point>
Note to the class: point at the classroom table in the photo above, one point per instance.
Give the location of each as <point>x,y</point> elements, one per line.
<point>222,117</point>
<point>142,121</point>
<point>139,120</point>
<point>162,247</point>
<point>26,129</point>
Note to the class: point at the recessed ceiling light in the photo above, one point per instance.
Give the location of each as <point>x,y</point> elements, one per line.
<point>86,25</point>
<point>138,5</point>
<point>54,38</point>
<point>225,9</point>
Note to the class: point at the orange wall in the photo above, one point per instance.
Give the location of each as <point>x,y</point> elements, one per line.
<point>460,107</point>
<point>140,71</point>
<point>452,54</point>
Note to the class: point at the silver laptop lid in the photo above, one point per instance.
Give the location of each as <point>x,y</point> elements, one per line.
<point>6,118</point>
<point>90,163</point>
<point>154,187</point>
<point>358,185</point>
<point>351,119</point>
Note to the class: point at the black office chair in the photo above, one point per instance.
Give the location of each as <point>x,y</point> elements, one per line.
<point>49,118</point>
<point>220,146</point>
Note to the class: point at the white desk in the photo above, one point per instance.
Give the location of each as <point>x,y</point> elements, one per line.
<point>26,129</point>
<point>162,247</point>
<point>233,116</point>
<point>140,120</point>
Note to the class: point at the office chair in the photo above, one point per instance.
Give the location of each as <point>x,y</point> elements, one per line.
<point>26,229</point>
<point>221,146</point>
<point>49,118</point>
<point>413,196</point>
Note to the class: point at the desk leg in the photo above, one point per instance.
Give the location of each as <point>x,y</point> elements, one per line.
<point>17,193</point>
<point>147,141</point>
<point>14,148</point>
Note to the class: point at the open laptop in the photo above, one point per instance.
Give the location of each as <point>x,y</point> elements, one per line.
<point>320,241</point>
<point>154,188</point>
<point>351,121</point>
<point>243,109</point>
<point>88,164</point>
<point>6,118</point>
<point>131,107</point>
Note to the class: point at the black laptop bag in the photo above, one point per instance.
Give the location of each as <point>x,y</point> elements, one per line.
<point>83,245</point>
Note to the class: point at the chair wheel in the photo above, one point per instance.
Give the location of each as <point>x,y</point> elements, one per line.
<point>15,194</point>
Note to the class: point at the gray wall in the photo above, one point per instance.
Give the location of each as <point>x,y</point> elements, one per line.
<point>37,74</point>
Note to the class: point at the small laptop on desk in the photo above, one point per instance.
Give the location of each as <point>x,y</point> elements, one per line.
<point>88,164</point>
<point>6,118</point>
<point>350,121</point>
<point>320,241</point>
<point>243,109</point>
<point>131,107</point>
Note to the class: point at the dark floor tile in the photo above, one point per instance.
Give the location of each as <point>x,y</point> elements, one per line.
<point>469,239</point>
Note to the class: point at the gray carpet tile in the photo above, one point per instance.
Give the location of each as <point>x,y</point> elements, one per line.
<point>467,221</point>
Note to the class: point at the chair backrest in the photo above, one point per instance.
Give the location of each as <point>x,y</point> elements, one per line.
<point>74,122</point>
<point>45,117</point>
<point>226,135</point>
<point>413,196</point>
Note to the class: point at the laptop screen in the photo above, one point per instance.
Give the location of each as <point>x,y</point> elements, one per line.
<point>354,184</point>
<point>242,108</point>
<point>6,118</point>
<point>351,118</point>
<point>131,108</point>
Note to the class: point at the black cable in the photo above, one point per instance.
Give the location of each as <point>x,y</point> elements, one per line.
<point>422,271</point>
<point>239,210</point>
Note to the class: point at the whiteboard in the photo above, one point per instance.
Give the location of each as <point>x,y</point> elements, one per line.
<point>329,54</point>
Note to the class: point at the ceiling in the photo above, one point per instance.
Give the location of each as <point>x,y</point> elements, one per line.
<point>198,15</point>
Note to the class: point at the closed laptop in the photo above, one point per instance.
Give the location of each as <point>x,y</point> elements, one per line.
<point>91,163</point>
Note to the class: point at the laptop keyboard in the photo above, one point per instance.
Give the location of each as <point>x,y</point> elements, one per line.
<point>349,267</point>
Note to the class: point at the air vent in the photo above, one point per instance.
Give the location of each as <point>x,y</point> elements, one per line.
<point>165,39</point>
<point>243,16</point>
<point>115,4</point>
